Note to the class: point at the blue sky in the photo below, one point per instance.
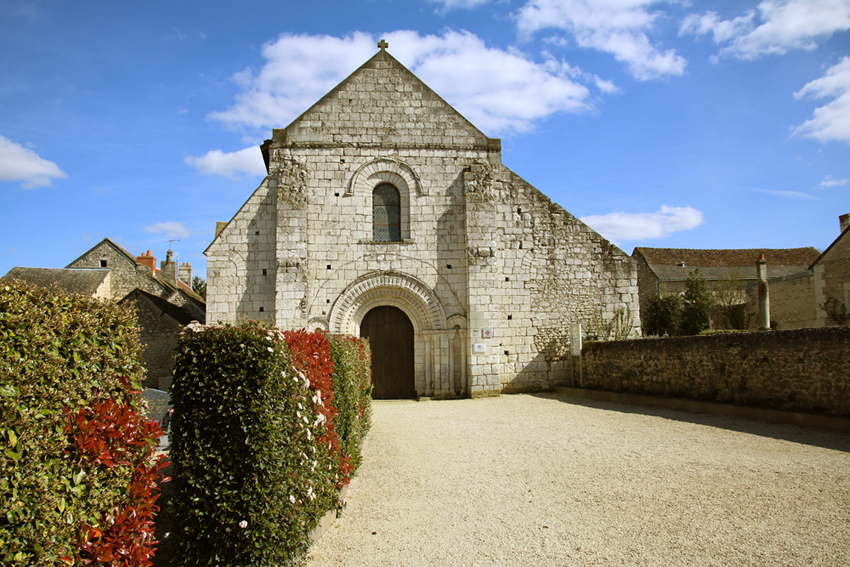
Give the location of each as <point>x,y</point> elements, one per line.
<point>692,124</point>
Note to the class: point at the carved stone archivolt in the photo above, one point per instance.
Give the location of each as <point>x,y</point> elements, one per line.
<point>385,170</point>
<point>386,288</point>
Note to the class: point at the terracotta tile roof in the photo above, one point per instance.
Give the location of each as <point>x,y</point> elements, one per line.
<point>728,258</point>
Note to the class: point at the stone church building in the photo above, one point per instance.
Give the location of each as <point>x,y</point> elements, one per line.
<point>386,214</point>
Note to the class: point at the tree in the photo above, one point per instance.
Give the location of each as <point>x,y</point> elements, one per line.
<point>199,286</point>
<point>836,313</point>
<point>663,314</point>
<point>731,299</point>
<point>698,301</point>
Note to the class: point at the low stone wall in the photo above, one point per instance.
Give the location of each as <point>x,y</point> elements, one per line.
<point>804,370</point>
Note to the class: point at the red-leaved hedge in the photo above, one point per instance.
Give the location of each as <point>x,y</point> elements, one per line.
<point>78,481</point>
<point>257,456</point>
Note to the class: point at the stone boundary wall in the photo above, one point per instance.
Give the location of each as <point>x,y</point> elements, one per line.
<point>804,370</point>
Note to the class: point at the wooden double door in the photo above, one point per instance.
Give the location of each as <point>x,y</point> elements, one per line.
<point>390,334</point>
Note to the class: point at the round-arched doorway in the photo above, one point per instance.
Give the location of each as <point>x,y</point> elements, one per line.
<point>390,335</point>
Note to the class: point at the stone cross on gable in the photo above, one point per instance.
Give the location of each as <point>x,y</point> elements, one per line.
<point>383,44</point>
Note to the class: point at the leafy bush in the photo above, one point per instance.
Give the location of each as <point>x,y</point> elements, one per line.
<point>663,314</point>
<point>256,452</point>
<point>352,384</point>
<point>77,478</point>
<point>698,302</point>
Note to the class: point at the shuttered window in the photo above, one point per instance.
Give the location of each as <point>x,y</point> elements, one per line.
<point>386,213</point>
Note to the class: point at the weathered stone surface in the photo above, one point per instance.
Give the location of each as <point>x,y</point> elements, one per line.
<point>805,370</point>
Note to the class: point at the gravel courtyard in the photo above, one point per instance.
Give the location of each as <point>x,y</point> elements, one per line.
<point>543,480</point>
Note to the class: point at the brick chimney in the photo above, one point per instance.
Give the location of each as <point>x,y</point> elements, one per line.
<point>845,221</point>
<point>168,269</point>
<point>148,260</point>
<point>186,273</point>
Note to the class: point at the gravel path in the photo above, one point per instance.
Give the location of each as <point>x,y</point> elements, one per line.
<point>545,480</point>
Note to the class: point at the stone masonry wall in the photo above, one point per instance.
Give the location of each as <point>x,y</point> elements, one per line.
<point>792,304</point>
<point>805,370</point>
<point>126,275</point>
<point>832,277</point>
<point>241,263</point>
<point>549,270</point>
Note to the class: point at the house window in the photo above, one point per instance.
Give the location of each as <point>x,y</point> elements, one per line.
<point>386,213</point>
<point>103,263</point>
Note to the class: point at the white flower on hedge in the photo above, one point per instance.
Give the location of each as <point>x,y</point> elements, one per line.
<point>292,499</point>
<point>310,493</point>
<point>309,435</point>
<point>270,349</point>
<point>243,524</point>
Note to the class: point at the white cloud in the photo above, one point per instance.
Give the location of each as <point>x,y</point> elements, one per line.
<point>618,27</point>
<point>248,161</point>
<point>786,25</point>
<point>831,121</point>
<point>458,4</point>
<point>830,181</point>
<point>620,226</point>
<point>497,90</point>
<point>789,194</point>
<point>18,163</point>
<point>169,229</point>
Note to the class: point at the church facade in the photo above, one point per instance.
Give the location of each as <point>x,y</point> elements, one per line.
<point>386,214</point>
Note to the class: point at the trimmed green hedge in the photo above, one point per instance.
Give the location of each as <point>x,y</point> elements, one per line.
<point>352,382</point>
<point>254,440</point>
<point>77,481</point>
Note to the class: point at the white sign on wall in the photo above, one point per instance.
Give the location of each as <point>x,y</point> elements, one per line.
<point>575,339</point>
<point>480,348</point>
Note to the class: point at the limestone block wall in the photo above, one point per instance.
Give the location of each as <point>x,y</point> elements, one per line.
<point>241,262</point>
<point>806,370</point>
<point>540,269</point>
<point>325,243</point>
<point>832,277</point>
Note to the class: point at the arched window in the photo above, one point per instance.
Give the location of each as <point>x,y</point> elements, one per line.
<point>386,213</point>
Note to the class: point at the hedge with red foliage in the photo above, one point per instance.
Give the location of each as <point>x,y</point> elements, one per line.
<point>257,457</point>
<point>78,483</point>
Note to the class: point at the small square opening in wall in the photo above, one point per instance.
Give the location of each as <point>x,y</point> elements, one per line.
<point>103,263</point>
<point>448,266</point>
<point>257,232</point>
<point>327,301</point>
<point>329,266</point>
<point>510,317</point>
<point>336,194</point>
<point>519,211</point>
<point>261,309</point>
<point>507,279</point>
<point>507,353</point>
<point>265,272</point>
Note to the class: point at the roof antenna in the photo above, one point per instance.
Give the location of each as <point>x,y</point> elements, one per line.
<point>170,241</point>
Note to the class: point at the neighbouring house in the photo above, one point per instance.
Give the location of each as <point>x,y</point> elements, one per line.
<point>816,296</point>
<point>159,324</point>
<point>163,297</point>
<point>386,214</point>
<point>729,270</point>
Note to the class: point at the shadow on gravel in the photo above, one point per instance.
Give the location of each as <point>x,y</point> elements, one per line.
<point>834,440</point>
